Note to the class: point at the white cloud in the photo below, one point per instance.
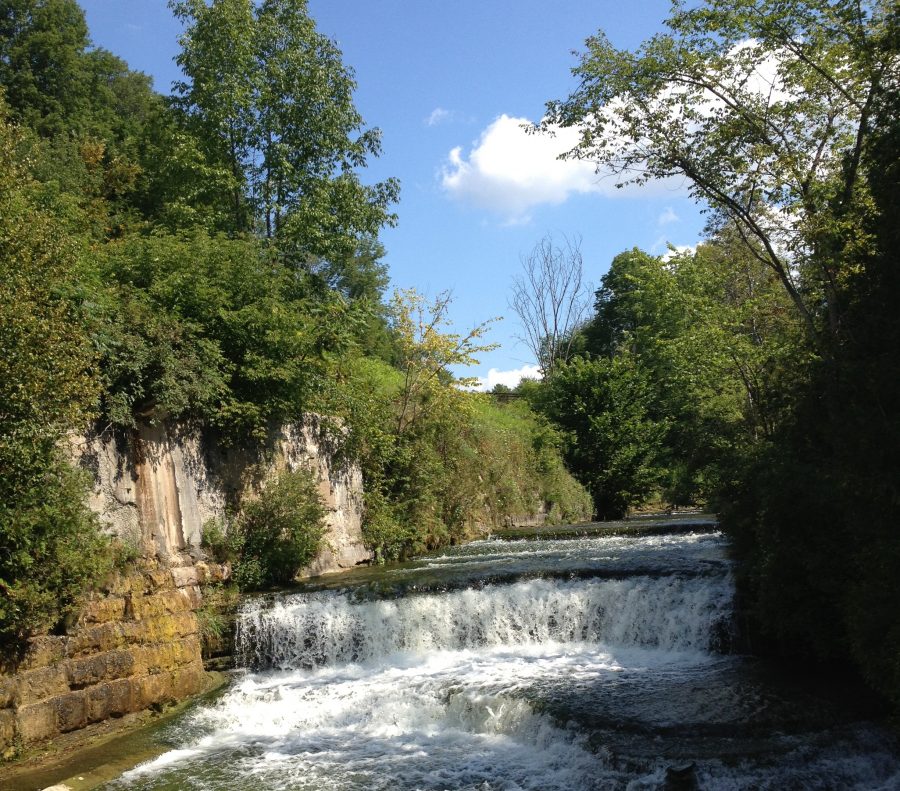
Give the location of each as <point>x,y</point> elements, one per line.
<point>668,216</point>
<point>438,115</point>
<point>510,172</point>
<point>508,378</point>
<point>679,249</point>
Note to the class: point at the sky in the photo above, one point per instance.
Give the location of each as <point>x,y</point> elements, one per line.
<point>450,85</point>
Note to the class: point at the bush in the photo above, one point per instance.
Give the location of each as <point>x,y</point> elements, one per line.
<point>50,547</point>
<point>274,536</point>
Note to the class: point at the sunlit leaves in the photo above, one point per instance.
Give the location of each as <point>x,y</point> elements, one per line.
<point>50,547</point>
<point>764,108</point>
<point>271,102</point>
<point>426,350</point>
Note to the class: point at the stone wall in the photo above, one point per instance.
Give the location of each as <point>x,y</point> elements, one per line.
<point>135,645</point>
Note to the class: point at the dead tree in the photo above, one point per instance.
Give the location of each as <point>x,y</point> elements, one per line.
<point>551,299</point>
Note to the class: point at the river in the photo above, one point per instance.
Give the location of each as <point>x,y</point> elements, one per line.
<point>591,662</point>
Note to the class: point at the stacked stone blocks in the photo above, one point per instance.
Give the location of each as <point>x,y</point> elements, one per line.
<point>135,645</point>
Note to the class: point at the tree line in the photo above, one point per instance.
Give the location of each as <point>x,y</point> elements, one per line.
<point>212,257</point>
<point>759,373</point>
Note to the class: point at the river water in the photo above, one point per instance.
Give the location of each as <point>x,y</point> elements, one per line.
<point>591,662</point>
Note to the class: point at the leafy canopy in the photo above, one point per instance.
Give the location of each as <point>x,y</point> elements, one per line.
<point>765,108</point>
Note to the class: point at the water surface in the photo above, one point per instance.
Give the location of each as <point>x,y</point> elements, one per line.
<point>577,662</point>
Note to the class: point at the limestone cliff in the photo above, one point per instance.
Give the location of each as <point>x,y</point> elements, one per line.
<point>157,486</point>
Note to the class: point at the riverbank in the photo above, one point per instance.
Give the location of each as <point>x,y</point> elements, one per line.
<point>83,760</point>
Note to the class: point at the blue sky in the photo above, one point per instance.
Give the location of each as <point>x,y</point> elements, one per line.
<point>448,84</point>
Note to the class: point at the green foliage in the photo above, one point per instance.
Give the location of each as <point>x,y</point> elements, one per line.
<point>425,351</point>
<point>771,352</point>
<point>462,463</point>
<point>779,157</point>
<point>92,116</point>
<point>274,535</point>
<point>50,547</point>
<point>719,343</point>
<point>271,102</point>
<point>411,429</point>
<point>216,615</point>
<point>815,520</point>
<point>613,444</point>
<point>210,327</point>
<point>42,61</point>
<point>221,542</point>
<point>711,338</point>
<point>520,460</point>
<point>214,258</point>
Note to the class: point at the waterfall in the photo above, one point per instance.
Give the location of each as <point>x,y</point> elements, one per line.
<point>671,613</point>
<point>561,665</point>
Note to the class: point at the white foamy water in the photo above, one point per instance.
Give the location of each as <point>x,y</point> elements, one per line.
<point>443,719</point>
<point>669,613</point>
<point>536,685</point>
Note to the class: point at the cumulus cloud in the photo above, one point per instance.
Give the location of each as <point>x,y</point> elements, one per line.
<point>510,172</point>
<point>438,115</point>
<point>508,378</point>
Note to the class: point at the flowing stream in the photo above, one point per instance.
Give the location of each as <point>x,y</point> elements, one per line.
<point>594,662</point>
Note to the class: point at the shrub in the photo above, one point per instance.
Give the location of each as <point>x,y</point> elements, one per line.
<point>274,536</point>
<point>50,548</point>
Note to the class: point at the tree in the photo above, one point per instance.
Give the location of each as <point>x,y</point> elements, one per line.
<point>42,44</point>
<point>217,57</point>
<point>270,99</point>
<point>426,351</point>
<point>766,109</point>
<point>550,299</point>
<point>194,325</point>
<point>612,443</point>
<point>616,318</point>
<point>89,113</point>
<point>783,118</point>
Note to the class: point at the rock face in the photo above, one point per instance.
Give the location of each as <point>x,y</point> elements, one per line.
<point>137,642</point>
<point>156,488</point>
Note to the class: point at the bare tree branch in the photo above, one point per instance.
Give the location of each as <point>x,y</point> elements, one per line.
<point>551,298</point>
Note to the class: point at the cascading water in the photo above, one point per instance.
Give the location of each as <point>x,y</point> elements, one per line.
<point>594,663</point>
<point>303,631</point>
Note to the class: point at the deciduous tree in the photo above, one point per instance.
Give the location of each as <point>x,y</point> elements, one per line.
<point>271,99</point>
<point>765,108</point>
<point>427,351</point>
<point>551,298</point>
